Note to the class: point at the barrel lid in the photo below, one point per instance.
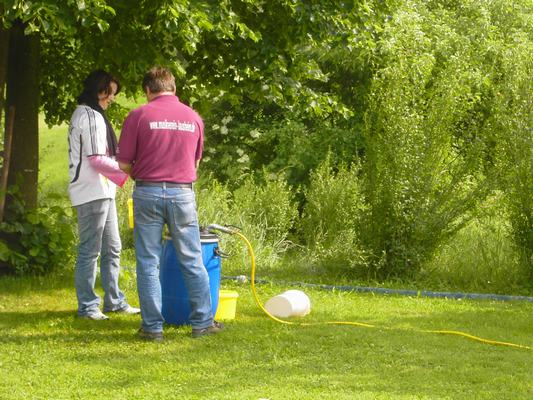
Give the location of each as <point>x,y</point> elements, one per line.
<point>208,237</point>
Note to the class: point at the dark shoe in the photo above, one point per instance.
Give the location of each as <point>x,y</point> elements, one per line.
<point>153,336</point>
<point>215,328</point>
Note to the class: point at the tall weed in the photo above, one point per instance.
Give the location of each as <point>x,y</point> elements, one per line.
<point>332,217</point>
<point>121,200</point>
<point>262,207</point>
<point>480,258</point>
<point>512,122</point>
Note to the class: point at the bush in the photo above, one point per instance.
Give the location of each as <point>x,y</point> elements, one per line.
<point>331,219</point>
<point>262,207</point>
<point>480,257</point>
<point>36,241</point>
<point>511,121</point>
<point>213,200</point>
<point>235,150</point>
<point>424,140</point>
<point>121,201</point>
<point>267,202</point>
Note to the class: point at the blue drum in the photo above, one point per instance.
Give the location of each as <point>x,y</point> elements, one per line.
<point>176,308</point>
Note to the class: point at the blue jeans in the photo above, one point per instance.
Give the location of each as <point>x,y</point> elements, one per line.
<point>99,236</point>
<point>153,207</point>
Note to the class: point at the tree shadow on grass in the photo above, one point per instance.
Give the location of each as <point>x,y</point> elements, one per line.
<point>65,326</point>
<point>19,285</point>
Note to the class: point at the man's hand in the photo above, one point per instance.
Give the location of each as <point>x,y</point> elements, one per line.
<point>126,167</point>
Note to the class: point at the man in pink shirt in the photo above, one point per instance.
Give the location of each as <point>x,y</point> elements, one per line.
<point>160,147</point>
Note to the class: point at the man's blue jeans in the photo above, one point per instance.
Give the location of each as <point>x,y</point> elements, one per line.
<point>99,236</point>
<point>153,207</point>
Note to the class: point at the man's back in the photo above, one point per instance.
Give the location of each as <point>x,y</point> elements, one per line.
<point>164,140</point>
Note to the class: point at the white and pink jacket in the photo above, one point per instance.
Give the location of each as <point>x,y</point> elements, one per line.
<point>93,174</point>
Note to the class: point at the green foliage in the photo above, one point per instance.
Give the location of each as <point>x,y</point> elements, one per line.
<point>121,200</point>
<point>235,149</point>
<point>213,200</point>
<point>266,201</point>
<point>230,55</point>
<point>36,241</point>
<point>331,222</point>
<point>430,99</point>
<point>263,207</point>
<point>480,258</point>
<point>424,140</point>
<point>52,16</point>
<point>512,121</point>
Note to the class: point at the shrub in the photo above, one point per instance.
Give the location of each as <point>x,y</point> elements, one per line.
<point>424,140</point>
<point>213,200</point>
<point>480,257</point>
<point>268,202</point>
<point>511,121</point>
<point>235,150</point>
<point>331,219</point>
<point>263,208</point>
<point>36,241</point>
<point>121,200</point>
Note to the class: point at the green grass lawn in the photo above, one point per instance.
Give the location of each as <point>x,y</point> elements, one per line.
<point>53,159</point>
<point>48,353</point>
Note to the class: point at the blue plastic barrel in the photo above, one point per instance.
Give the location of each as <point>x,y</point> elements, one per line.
<point>176,308</point>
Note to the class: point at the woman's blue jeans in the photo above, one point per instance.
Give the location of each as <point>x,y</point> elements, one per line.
<point>153,208</point>
<point>99,237</point>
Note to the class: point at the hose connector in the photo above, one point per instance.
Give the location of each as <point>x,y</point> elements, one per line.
<point>225,229</point>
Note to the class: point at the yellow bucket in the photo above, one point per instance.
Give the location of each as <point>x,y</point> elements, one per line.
<point>227,304</point>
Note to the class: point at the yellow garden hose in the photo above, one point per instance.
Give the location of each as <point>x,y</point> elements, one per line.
<point>233,231</point>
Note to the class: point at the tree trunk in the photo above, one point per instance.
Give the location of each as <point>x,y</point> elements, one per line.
<point>4,46</point>
<point>23,94</point>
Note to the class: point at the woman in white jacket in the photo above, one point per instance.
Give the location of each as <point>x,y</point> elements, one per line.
<point>94,175</point>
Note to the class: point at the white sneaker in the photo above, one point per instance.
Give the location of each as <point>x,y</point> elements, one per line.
<point>96,316</point>
<point>130,310</point>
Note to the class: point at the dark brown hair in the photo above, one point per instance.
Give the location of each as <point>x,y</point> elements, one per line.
<point>96,82</point>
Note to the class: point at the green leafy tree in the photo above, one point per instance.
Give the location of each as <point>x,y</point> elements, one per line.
<point>424,134</point>
<point>27,29</point>
<point>245,56</point>
<point>512,121</point>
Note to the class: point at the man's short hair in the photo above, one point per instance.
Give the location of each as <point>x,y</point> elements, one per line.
<point>159,79</point>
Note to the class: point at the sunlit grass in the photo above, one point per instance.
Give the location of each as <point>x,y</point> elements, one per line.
<point>48,353</point>
<point>53,159</point>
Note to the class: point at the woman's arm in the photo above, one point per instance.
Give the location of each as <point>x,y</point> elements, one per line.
<point>109,168</point>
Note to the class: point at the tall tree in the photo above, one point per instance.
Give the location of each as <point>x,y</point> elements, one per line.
<point>23,96</point>
<point>229,54</point>
<point>25,26</point>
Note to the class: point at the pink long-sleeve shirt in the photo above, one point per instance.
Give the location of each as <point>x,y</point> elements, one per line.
<point>108,167</point>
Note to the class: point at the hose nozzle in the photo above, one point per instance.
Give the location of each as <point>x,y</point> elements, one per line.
<point>225,229</point>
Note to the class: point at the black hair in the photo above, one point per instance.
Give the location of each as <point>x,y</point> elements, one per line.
<point>97,82</point>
